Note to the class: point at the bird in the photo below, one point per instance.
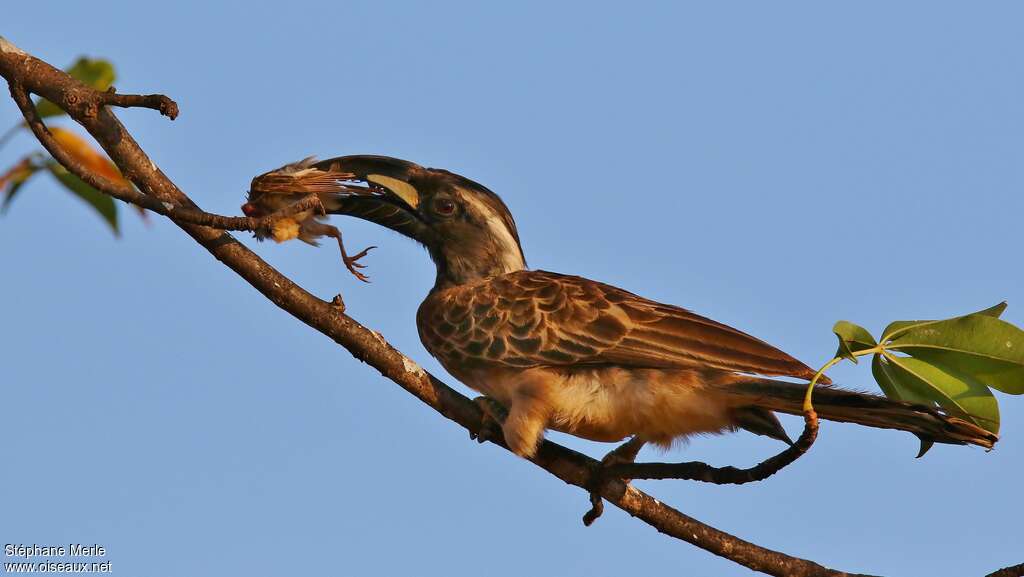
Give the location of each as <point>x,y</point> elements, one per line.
<point>275,191</point>
<point>552,351</point>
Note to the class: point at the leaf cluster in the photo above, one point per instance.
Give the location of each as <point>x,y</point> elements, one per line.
<point>952,363</point>
<point>98,74</point>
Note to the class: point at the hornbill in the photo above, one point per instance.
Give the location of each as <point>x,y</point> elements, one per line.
<point>555,351</point>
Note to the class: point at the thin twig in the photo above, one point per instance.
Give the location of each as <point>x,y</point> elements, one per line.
<point>699,471</point>
<point>163,104</point>
<point>132,196</point>
<point>696,470</point>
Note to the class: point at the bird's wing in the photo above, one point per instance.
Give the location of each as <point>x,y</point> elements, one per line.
<point>538,318</point>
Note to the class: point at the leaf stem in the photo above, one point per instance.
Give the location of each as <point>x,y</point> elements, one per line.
<point>808,406</point>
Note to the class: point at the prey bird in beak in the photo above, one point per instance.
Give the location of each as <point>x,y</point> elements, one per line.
<point>554,351</point>
<point>278,189</point>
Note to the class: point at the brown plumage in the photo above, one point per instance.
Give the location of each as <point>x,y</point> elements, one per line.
<point>280,188</point>
<point>539,318</point>
<point>579,356</point>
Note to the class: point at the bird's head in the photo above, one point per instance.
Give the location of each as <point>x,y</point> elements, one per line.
<point>467,229</point>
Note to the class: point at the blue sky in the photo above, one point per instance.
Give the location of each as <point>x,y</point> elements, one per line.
<point>777,166</point>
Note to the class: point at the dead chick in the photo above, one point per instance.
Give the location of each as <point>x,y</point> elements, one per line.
<point>278,191</point>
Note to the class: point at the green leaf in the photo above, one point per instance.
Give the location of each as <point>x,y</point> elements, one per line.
<point>898,326</point>
<point>960,394</point>
<point>988,349</point>
<point>893,387</point>
<point>95,72</point>
<point>102,203</point>
<point>994,311</point>
<point>852,338</point>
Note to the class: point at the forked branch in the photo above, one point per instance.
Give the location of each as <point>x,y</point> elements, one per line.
<point>130,195</point>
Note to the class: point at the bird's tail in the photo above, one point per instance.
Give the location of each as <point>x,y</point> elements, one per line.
<point>930,424</point>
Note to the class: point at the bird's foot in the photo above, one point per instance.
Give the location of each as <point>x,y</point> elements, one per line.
<point>623,454</point>
<point>490,425</point>
<point>352,262</point>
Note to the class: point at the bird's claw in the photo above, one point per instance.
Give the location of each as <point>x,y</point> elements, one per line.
<point>596,506</point>
<point>623,454</point>
<point>489,431</point>
<point>598,476</point>
<point>490,423</point>
<point>352,263</point>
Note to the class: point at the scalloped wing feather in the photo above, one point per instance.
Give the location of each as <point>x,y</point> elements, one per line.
<point>539,318</point>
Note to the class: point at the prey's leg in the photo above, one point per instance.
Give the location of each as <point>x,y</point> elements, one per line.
<point>351,262</point>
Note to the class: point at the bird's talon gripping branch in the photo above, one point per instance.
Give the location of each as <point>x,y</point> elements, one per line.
<point>494,415</point>
<point>623,454</point>
<point>596,502</point>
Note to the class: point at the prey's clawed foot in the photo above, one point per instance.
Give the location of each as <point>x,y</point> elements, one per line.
<point>352,262</point>
<point>493,416</point>
<point>623,454</point>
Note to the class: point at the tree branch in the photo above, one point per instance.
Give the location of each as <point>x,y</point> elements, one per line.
<point>130,195</point>
<point>697,471</point>
<point>1014,571</point>
<point>158,102</point>
<point>25,73</point>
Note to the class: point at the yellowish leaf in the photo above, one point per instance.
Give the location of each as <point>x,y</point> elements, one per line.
<point>92,159</point>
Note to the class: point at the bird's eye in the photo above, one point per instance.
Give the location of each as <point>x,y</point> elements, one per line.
<point>444,206</point>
